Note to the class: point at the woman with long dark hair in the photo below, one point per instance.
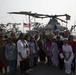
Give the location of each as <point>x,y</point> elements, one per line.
<point>41,51</point>
<point>23,54</point>
<point>60,53</point>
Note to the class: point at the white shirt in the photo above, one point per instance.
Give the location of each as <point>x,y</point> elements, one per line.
<point>61,38</point>
<point>67,49</point>
<point>21,47</point>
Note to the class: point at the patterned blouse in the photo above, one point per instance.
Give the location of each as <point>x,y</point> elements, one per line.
<point>10,51</point>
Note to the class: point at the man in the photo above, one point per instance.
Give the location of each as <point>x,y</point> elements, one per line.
<point>57,32</point>
<point>51,34</point>
<point>67,34</point>
<point>68,56</point>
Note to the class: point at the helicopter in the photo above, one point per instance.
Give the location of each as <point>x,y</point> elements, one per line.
<point>53,23</point>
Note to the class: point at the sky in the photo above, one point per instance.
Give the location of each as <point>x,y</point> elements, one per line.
<point>50,7</point>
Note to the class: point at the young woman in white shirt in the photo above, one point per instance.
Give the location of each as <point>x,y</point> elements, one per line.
<point>23,54</point>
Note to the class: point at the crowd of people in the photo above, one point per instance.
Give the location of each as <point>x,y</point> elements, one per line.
<point>30,50</point>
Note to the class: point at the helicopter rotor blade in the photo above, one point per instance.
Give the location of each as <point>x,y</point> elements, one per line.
<point>62,20</point>
<point>42,15</point>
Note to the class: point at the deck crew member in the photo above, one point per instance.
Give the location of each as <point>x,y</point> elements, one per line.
<point>68,56</point>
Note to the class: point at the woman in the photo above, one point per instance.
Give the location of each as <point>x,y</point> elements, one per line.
<point>48,46</point>
<point>14,40</point>
<point>2,55</point>
<point>41,46</point>
<point>73,45</point>
<point>32,52</point>
<point>11,55</point>
<point>60,53</point>
<point>54,52</point>
<point>23,54</point>
<point>68,56</point>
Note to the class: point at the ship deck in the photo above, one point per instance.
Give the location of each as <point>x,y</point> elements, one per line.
<point>43,69</point>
